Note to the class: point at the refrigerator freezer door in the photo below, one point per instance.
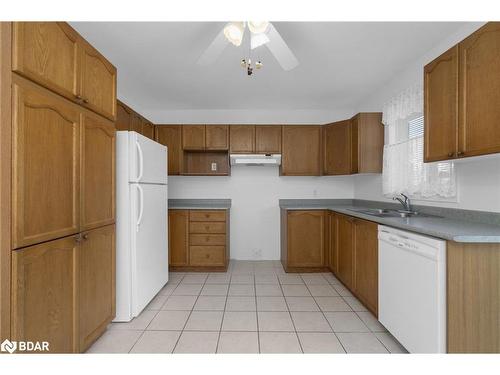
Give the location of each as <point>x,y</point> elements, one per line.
<point>149,243</point>
<point>148,160</point>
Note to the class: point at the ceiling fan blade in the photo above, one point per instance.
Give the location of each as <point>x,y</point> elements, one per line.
<point>280,49</point>
<point>214,50</point>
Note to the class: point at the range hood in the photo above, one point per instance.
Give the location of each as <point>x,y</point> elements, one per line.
<point>256,159</point>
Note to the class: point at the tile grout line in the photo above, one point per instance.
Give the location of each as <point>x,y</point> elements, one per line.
<point>290,314</point>
<point>157,312</point>
<point>224,310</point>
<point>185,323</point>
<point>256,312</point>
<point>323,313</point>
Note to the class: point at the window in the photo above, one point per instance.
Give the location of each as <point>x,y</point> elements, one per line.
<point>404,169</point>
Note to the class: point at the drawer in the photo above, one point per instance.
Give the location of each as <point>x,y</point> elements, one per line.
<point>207,239</point>
<point>207,227</point>
<point>218,215</point>
<point>207,256</point>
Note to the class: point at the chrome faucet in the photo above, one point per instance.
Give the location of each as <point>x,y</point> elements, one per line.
<point>405,201</point>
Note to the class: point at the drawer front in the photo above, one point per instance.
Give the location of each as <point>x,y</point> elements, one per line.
<point>207,255</point>
<point>207,227</point>
<point>207,239</point>
<point>207,215</point>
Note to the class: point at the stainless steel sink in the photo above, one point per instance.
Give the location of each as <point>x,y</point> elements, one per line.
<point>384,212</point>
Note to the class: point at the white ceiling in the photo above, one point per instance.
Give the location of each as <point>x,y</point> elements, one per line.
<point>340,63</point>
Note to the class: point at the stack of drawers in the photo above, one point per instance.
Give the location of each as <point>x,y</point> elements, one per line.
<point>207,238</point>
<point>198,239</point>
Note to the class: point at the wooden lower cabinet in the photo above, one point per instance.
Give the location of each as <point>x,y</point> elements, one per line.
<point>366,263</point>
<point>63,291</point>
<point>178,238</point>
<point>304,240</point>
<point>345,250</point>
<point>44,294</point>
<point>198,240</point>
<point>96,287</point>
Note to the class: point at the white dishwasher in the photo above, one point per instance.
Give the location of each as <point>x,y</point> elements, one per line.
<point>412,289</point>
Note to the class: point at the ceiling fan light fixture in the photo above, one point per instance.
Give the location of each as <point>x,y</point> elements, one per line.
<point>234,31</point>
<point>258,40</point>
<point>258,27</point>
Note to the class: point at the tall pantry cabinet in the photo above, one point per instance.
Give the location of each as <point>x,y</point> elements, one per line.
<point>63,187</point>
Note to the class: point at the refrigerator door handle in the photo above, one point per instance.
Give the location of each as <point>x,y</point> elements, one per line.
<point>141,206</point>
<point>140,161</point>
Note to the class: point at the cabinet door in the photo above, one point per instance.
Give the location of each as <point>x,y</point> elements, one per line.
<point>345,250</point>
<point>333,255</point>
<point>301,150</point>
<point>47,53</point>
<point>148,130</point>
<point>441,107</point>
<point>44,294</point>
<point>306,238</point>
<point>268,139</point>
<point>242,139</point>
<point>46,165</point>
<point>97,172</point>
<point>170,136</point>
<point>479,116</point>
<point>98,81</point>
<point>193,137</point>
<point>178,238</point>
<point>366,263</point>
<point>96,283</point>
<point>136,123</point>
<point>338,148</point>
<point>123,117</point>
<point>217,137</point>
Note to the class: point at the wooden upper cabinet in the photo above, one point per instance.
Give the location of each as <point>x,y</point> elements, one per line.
<point>441,106</point>
<point>242,139</point>
<point>268,139</point>
<point>136,123</point>
<point>367,142</point>
<point>479,98</point>
<point>97,172</point>
<point>366,263</point>
<point>345,250</point>
<point>57,57</point>
<point>193,137</point>
<point>306,239</point>
<point>98,82</point>
<point>337,141</point>
<point>301,150</point>
<point>44,294</point>
<point>47,52</point>
<point>216,137</point>
<point>46,165</point>
<point>178,244</point>
<point>170,136</point>
<point>148,130</point>
<point>123,116</point>
<point>96,283</point>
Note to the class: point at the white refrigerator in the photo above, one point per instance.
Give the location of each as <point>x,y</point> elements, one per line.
<point>141,223</point>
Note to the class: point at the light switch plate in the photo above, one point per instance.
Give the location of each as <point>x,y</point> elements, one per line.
<point>214,167</point>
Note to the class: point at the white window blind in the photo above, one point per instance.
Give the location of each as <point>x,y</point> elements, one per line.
<point>404,169</point>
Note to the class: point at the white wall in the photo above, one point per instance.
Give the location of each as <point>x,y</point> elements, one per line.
<point>255,192</point>
<point>478,179</point>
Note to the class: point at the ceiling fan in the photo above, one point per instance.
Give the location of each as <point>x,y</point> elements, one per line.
<point>261,33</point>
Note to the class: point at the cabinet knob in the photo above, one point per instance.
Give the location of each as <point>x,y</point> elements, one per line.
<point>85,100</point>
<point>460,153</point>
<point>450,154</point>
<point>85,236</point>
<point>78,238</point>
<point>78,97</point>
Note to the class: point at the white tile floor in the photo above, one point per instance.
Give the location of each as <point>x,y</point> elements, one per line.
<point>255,307</point>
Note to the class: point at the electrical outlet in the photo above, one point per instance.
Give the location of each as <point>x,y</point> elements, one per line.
<point>257,254</point>
<point>214,167</point>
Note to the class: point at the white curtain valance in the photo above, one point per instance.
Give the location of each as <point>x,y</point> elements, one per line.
<point>405,104</point>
